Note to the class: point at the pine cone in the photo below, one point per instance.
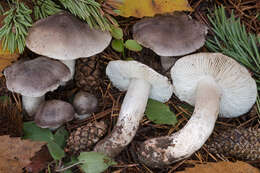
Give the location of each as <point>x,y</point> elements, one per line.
<point>88,74</point>
<point>239,143</point>
<point>85,137</point>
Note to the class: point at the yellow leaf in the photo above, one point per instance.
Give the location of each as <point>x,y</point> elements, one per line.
<point>141,8</point>
<point>222,167</point>
<point>6,58</point>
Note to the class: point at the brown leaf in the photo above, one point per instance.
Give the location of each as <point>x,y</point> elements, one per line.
<point>6,58</point>
<point>39,161</point>
<point>141,8</point>
<point>15,153</point>
<point>222,167</point>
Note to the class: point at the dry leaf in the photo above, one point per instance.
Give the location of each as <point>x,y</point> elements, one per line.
<point>39,161</point>
<point>141,8</point>
<point>222,167</point>
<point>15,153</point>
<point>6,57</point>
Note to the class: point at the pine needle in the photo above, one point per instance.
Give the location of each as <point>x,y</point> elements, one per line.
<point>16,23</point>
<point>45,8</point>
<point>90,11</point>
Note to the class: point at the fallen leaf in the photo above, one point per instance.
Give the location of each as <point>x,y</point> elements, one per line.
<point>6,57</point>
<point>143,8</point>
<point>222,167</point>
<point>15,153</point>
<point>39,161</point>
<point>159,113</point>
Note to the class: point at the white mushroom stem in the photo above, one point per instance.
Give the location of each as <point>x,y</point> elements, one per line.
<point>167,62</point>
<point>161,151</point>
<point>132,111</point>
<point>71,65</point>
<point>31,104</point>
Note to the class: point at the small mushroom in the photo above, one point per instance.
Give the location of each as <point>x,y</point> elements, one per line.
<point>140,82</point>
<point>171,35</point>
<point>33,78</point>
<point>53,113</point>
<point>64,37</point>
<point>215,84</point>
<point>84,104</point>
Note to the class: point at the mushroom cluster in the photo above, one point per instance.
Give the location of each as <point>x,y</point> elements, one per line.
<point>61,37</point>
<point>212,82</point>
<point>33,78</point>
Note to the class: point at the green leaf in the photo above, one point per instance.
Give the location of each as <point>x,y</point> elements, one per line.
<point>159,113</point>
<point>35,133</point>
<point>93,162</point>
<point>117,32</point>
<point>118,45</point>
<point>61,136</point>
<point>133,45</point>
<point>55,150</point>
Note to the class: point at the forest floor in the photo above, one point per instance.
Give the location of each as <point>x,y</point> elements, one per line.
<point>111,98</point>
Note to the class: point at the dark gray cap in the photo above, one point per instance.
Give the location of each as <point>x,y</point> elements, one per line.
<point>85,103</point>
<point>54,113</point>
<point>62,36</point>
<point>35,77</point>
<point>171,35</point>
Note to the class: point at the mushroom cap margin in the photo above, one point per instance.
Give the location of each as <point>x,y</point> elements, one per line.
<point>62,36</point>
<point>54,113</point>
<point>120,73</point>
<point>238,88</point>
<point>172,35</point>
<point>35,77</point>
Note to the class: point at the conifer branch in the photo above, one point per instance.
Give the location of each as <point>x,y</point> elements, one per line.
<point>90,11</point>
<point>15,26</point>
<point>231,38</point>
<point>44,8</point>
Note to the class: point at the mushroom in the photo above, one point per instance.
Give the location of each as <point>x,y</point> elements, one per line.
<point>33,78</point>
<point>215,84</point>
<point>171,35</point>
<point>84,104</point>
<point>140,82</point>
<point>53,113</point>
<point>64,37</point>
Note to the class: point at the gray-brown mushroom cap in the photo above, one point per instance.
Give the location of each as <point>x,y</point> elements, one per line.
<point>54,113</point>
<point>35,77</point>
<point>172,35</point>
<point>62,36</point>
<point>85,103</point>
